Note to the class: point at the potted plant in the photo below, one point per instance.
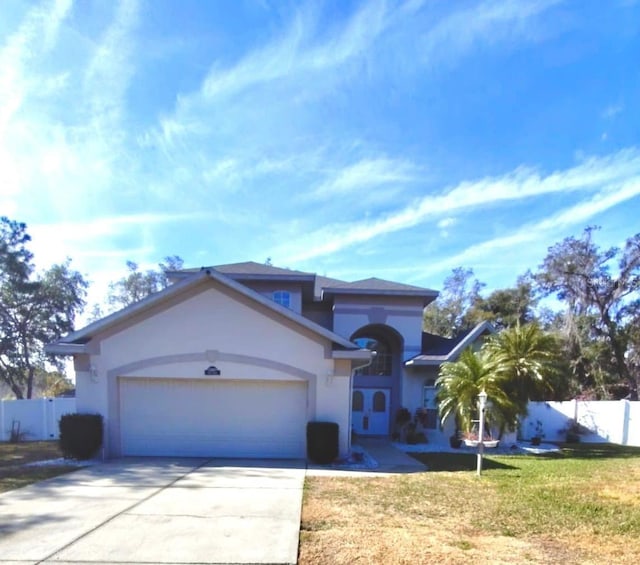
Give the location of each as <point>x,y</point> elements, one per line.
<point>471,439</point>
<point>538,433</point>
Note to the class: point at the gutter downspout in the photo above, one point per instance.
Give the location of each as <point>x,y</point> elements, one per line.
<point>353,370</point>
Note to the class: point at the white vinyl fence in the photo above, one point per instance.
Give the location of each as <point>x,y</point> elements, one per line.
<point>613,421</point>
<point>35,419</point>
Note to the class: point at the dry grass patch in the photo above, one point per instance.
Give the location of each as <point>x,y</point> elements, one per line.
<point>570,509</point>
<point>12,454</point>
<point>13,457</point>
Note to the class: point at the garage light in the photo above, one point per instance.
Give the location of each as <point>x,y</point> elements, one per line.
<point>211,370</point>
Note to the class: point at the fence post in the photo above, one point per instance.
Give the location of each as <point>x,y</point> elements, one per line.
<point>626,416</point>
<point>43,433</point>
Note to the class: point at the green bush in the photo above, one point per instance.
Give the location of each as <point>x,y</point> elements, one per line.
<point>80,435</point>
<point>322,442</point>
<point>414,437</point>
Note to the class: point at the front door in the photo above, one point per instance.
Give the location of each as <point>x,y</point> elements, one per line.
<point>370,411</point>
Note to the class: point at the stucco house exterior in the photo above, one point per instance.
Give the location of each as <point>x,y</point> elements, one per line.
<point>234,360</point>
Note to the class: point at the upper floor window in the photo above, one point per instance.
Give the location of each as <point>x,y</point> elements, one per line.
<point>382,362</point>
<point>282,297</point>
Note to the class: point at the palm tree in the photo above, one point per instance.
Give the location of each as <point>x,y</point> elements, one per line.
<point>460,383</point>
<point>526,358</point>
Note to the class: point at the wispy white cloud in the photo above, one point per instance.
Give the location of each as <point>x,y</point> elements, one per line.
<point>313,60</point>
<point>537,232</point>
<point>612,111</point>
<point>20,79</point>
<point>53,146</point>
<point>110,70</point>
<point>446,223</point>
<point>520,184</point>
<point>364,175</point>
<point>296,54</point>
<point>490,22</point>
<point>108,226</point>
<point>35,36</point>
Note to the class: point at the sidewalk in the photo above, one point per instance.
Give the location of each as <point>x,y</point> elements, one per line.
<point>390,461</point>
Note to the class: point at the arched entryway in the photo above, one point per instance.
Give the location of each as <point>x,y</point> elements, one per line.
<point>376,388</point>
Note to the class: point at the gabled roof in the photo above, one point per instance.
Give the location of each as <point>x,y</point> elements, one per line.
<point>433,344</point>
<point>252,271</point>
<point>260,269</point>
<point>325,282</point>
<point>72,343</point>
<point>380,287</point>
<point>374,283</point>
<point>437,349</point>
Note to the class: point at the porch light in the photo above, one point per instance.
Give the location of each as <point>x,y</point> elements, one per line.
<point>482,403</point>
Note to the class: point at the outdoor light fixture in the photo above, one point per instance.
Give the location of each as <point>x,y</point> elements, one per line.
<point>482,403</point>
<point>211,370</point>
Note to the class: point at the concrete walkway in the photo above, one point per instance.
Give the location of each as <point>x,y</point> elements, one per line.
<point>170,511</point>
<point>390,461</point>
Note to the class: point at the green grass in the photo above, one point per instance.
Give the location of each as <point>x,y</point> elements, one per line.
<point>581,488</point>
<point>578,506</point>
<point>13,457</point>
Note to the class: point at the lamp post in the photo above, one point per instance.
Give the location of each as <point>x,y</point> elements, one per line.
<point>482,403</point>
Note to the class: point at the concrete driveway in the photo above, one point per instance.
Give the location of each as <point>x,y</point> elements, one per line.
<point>157,511</point>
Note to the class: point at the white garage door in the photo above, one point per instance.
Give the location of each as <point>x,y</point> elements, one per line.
<point>191,417</point>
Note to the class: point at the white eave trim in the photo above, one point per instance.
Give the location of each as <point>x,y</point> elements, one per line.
<point>66,348</point>
<point>417,362</point>
<point>357,355</point>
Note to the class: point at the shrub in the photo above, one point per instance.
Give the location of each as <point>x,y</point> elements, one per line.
<point>322,442</point>
<point>403,416</point>
<point>414,438</point>
<point>80,435</point>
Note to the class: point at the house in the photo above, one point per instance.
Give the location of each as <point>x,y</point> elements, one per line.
<point>234,360</point>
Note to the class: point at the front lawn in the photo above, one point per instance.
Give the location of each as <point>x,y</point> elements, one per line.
<point>13,456</point>
<point>581,506</point>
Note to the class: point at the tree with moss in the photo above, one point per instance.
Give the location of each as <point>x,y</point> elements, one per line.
<point>601,291</point>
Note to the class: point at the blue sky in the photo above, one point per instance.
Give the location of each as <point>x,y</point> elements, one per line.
<point>351,139</point>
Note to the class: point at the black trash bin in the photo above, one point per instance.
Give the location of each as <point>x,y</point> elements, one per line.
<point>322,442</point>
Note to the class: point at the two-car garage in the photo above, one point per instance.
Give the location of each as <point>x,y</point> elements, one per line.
<point>205,418</point>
